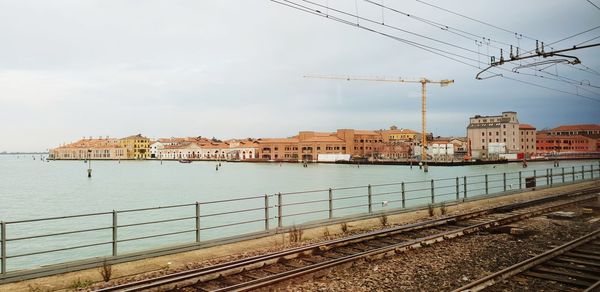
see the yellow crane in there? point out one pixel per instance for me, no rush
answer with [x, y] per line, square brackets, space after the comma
[423, 81]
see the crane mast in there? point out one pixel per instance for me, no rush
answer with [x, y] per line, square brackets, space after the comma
[423, 81]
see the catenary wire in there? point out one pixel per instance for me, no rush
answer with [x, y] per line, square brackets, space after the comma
[436, 51]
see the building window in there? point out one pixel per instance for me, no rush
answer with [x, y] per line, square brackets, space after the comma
[482, 133]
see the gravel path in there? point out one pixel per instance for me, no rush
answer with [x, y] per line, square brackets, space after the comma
[449, 265]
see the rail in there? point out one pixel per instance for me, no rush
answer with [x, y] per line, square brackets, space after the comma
[111, 234]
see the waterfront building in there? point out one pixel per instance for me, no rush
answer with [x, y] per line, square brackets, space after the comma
[307, 145]
[485, 130]
[527, 140]
[137, 146]
[89, 148]
[563, 144]
[243, 149]
[588, 130]
[575, 141]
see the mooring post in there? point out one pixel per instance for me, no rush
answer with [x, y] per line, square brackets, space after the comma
[457, 189]
[486, 184]
[504, 180]
[330, 203]
[464, 187]
[432, 193]
[520, 181]
[370, 194]
[197, 222]
[279, 211]
[114, 233]
[3, 247]
[403, 196]
[266, 212]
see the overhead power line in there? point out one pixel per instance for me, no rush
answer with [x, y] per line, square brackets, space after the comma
[593, 4]
[476, 20]
[443, 53]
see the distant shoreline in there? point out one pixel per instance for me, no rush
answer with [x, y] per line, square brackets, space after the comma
[23, 153]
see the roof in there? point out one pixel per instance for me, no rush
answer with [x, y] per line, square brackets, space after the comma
[526, 126]
[323, 139]
[365, 132]
[138, 136]
[402, 131]
[92, 144]
[544, 135]
[277, 140]
[579, 127]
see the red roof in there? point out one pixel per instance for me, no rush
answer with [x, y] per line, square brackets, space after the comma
[580, 127]
[526, 126]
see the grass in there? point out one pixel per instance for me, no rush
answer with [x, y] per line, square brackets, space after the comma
[80, 284]
[296, 234]
[383, 219]
[105, 271]
[443, 209]
[344, 227]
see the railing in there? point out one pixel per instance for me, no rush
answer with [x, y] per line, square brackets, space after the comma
[36, 242]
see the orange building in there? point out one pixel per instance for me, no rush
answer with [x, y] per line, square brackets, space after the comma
[307, 145]
[547, 143]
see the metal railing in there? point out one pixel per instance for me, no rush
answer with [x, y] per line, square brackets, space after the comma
[110, 234]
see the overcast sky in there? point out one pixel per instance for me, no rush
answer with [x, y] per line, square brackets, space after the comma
[228, 68]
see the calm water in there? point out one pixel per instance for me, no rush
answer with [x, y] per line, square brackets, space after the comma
[34, 189]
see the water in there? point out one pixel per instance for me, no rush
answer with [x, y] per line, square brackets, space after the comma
[32, 189]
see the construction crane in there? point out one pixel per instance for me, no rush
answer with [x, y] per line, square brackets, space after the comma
[423, 82]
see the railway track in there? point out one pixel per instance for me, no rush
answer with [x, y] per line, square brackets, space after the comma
[264, 270]
[575, 265]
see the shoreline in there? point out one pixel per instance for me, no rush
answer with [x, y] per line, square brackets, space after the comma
[382, 162]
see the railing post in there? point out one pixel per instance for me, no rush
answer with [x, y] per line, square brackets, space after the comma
[403, 196]
[563, 174]
[535, 177]
[486, 185]
[266, 212]
[464, 187]
[3, 247]
[582, 173]
[504, 180]
[592, 170]
[330, 203]
[551, 176]
[520, 180]
[197, 222]
[547, 177]
[432, 193]
[370, 194]
[114, 233]
[573, 173]
[279, 211]
[457, 189]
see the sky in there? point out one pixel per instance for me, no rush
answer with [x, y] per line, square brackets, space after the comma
[234, 68]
